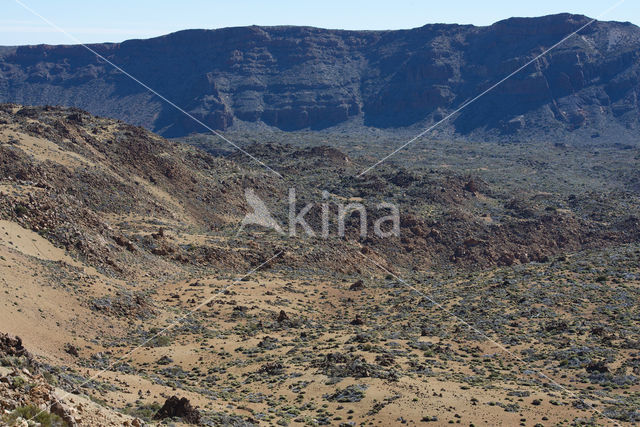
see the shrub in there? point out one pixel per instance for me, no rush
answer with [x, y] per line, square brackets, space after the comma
[20, 210]
[160, 341]
[19, 383]
[45, 419]
[145, 411]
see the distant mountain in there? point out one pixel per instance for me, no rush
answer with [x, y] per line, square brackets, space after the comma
[299, 77]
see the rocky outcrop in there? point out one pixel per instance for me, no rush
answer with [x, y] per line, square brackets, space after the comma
[178, 408]
[300, 77]
[26, 393]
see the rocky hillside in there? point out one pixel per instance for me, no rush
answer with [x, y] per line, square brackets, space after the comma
[121, 198]
[299, 77]
[123, 272]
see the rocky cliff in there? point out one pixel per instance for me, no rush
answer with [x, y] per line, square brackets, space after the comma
[299, 77]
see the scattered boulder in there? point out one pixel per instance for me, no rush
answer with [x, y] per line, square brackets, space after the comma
[471, 186]
[71, 349]
[282, 316]
[357, 286]
[272, 368]
[164, 360]
[12, 346]
[358, 321]
[598, 366]
[175, 407]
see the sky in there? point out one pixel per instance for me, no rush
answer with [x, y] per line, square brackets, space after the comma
[91, 21]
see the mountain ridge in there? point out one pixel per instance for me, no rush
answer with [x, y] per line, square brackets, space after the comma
[295, 78]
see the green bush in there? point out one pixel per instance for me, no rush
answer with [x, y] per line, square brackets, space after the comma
[160, 341]
[19, 383]
[145, 412]
[20, 210]
[45, 419]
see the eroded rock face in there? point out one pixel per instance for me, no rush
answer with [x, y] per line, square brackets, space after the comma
[299, 77]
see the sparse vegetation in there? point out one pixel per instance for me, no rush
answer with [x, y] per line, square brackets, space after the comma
[496, 282]
[45, 419]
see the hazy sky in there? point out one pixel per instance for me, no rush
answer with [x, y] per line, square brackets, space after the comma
[117, 20]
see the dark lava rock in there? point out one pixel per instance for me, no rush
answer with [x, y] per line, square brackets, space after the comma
[12, 346]
[272, 368]
[71, 349]
[164, 360]
[357, 286]
[178, 408]
[471, 186]
[599, 366]
[282, 316]
[357, 321]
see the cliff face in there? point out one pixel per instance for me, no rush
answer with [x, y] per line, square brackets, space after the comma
[298, 77]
